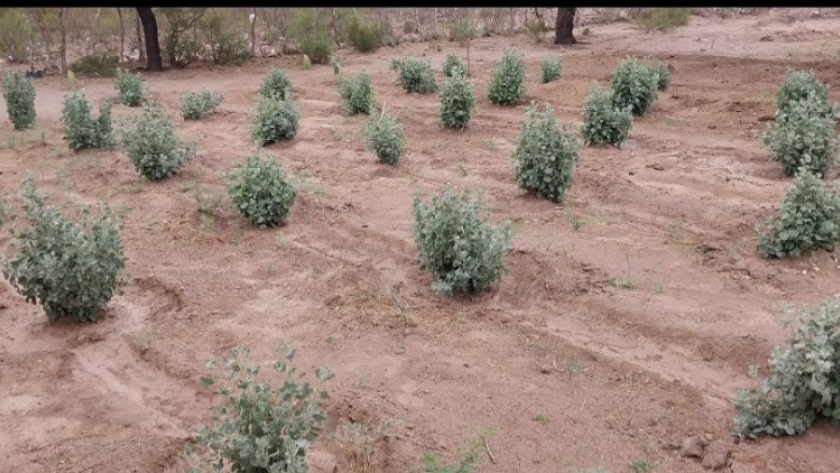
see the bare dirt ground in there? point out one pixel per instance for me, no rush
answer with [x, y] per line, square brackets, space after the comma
[627, 321]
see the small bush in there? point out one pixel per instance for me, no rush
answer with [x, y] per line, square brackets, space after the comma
[545, 155]
[662, 19]
[19, 94]
[129, 88]
[602, 122]
[70, 269]
[153, 146]
[259, 427]
[200, 105]
[804, 382]
[276, 120]
[81, 130]
[311, 32]
[95, 65]
[461, 31]
[226, 45]
[551, 68]
[14, 34]
[260, 190]
[634, 85]
[357, 93]
[809, 220]
[451, 63]
[364, 35]
[663, 72]
[385, 138]
[336, 66]
[803, 136]
[416, 76]
[457, 101]
[799, 86]
[276, 84]
[507, 82]
[457, 244]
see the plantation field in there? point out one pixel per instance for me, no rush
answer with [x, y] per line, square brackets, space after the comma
[627, 321]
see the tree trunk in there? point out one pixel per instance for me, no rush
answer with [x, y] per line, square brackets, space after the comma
[122, 35]
[63, 51]
[141, 49]
[564, 25]
[154, 62]
[254, 33]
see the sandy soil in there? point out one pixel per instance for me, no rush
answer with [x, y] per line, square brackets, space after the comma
[627, 321]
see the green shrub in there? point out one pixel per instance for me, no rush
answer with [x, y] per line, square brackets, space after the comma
[226, 45]
[634, 85]
[260, 190]
[276, 120]
[15, 33]
[545, 155]
[311, 32]
[129, 88]
[451, 63]
[809, 220]
[364, 35]
[200, 105]
[416, 76]
[2, 212]
[662, 19]
[602, 122]
[70, 269]
[803, 136]
[663, 72]
[457, 101]
[551, 68]
[507, 82]
[153, 146]
[19, 94]
[276, 84]
[95, 65]
[336, 66]
[385, 138]
[461, 31]
[357, 93]
[260, 428]
[81, 130]
[456, 243]
[804, 382]
[799, 86]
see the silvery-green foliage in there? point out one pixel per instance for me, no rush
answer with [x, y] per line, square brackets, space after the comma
[457, 100]
[261, 191]
[357, 93]
[803, 136]
[200, 105]
[70, 269]
[19, 94]
[634, 85]
[336, 66]
[129, 88]
[385, 138]
[602, 122]
[451, 63]
[81, 130]
[545, 155]
[416, 76]
[153, 146]
[507, 81]
[800, 85]
[663, 71]
[804, 382]
[276, 120]
[809, 220]
[457, 244]
[276, 84]
[260, 427]
[551, 67]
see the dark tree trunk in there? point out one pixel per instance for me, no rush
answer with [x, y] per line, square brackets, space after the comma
[154, 62]
[564, 25]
